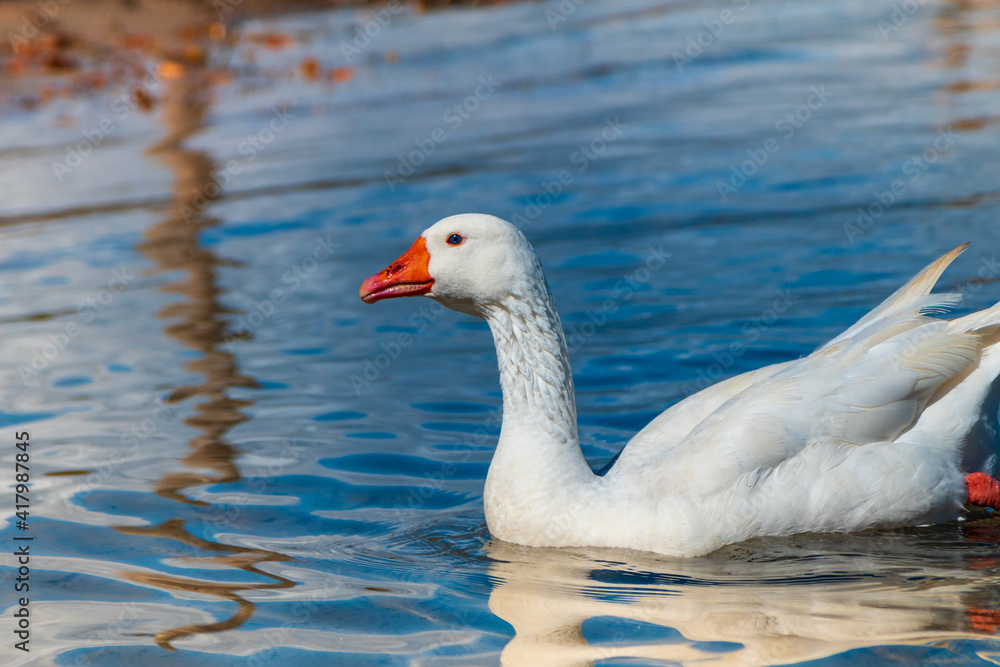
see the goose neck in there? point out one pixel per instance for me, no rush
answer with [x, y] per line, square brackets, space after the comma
[535, 374]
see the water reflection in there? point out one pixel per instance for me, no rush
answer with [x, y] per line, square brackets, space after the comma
[199, 322]
[966, 28]
[763, 603]
[238, 557]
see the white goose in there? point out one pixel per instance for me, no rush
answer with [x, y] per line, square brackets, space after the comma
[891, 423]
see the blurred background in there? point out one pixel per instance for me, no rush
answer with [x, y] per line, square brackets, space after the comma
[236, 462]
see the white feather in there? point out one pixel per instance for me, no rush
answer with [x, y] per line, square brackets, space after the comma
[876, 428]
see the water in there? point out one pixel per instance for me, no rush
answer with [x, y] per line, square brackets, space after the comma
[235, 461]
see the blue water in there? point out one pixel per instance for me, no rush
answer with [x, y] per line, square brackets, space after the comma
[234, 461]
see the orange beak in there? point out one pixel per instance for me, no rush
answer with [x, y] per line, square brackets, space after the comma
[407, 276]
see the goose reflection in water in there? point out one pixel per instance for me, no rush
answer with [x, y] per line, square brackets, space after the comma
[764, 602]
[174, 244]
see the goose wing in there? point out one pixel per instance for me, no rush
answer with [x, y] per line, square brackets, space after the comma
[868, 383]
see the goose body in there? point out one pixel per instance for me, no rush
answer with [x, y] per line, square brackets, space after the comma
[891, 423]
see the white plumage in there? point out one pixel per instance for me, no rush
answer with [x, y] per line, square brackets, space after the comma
[877, 428]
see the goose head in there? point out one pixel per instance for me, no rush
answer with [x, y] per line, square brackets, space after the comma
[470, 263]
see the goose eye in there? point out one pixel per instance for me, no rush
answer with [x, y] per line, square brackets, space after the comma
[455, 239]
